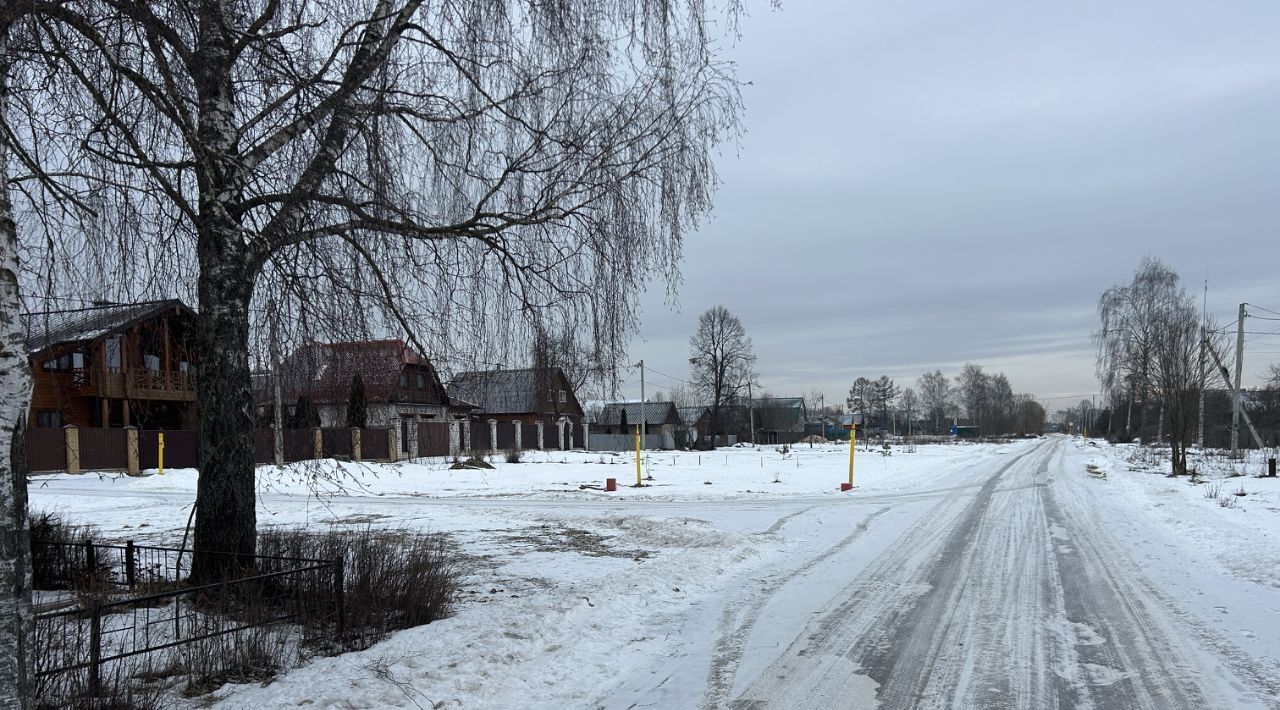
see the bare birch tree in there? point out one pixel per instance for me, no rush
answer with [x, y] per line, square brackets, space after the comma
[17, 619]
[1126, 340]
[935, 398]
[447, 167]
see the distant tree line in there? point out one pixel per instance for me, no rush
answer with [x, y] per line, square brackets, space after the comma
[981, 399]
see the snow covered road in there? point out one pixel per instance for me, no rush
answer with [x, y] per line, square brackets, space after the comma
[1013, 595]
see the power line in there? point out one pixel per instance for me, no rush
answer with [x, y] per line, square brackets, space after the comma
[1261, 308]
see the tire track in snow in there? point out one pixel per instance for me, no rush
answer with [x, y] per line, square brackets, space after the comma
[902, 628]
[729, 650]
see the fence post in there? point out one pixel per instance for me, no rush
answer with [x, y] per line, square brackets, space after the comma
[519, 440]
[95, 646]
[493, 434]
[455, 438]
[131, 448]
[317, 444]
[393, 450]
[90, 555]
[466, 434]
[339, 596]
[128, 563]
[414, 433]
[71, 433]
[355, 443]
[541, 428]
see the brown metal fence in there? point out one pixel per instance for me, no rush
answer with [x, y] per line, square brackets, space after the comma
[46, 449]
[529, 435]
[506, 436]
[102, 449]
[550, 435]
[433, 439]
[375, 444]
[298, 445]
[336, 442]
[480, 436]
[181, 449]
[264, 446]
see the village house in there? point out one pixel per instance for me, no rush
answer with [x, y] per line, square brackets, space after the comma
[529, 394]
[113, 365]
[662, 422]
[400, 385]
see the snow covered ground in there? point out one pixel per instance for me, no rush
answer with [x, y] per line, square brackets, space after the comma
[690, 590]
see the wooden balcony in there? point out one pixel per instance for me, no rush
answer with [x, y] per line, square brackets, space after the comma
[142, 383]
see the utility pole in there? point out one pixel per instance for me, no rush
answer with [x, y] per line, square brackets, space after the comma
[277, 419]
[1235, 412]
[644, 425]
[751, 413]
[1235, 390]
[1204, 335]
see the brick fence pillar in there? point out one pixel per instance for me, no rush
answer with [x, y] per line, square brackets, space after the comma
[493, 434]
[455, 438]
[317, 444]
[71, 433]
[466, 434]
[133, 467]
[355, 443]
[517, 425]
[541, 433]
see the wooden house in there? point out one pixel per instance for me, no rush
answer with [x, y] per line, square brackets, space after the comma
[661, 419]
[528, 395]
[113, 365]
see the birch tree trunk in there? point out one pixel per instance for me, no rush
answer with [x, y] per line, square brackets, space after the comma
[227, 519]
[16, 617]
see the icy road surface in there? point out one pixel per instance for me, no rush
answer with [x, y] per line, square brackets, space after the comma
[1009, 595]
[979, 576]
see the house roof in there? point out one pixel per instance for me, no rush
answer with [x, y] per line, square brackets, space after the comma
[654, 413]
[503, 391]
[779, 403]
[691, 415]
[324, 371]
[45, 329]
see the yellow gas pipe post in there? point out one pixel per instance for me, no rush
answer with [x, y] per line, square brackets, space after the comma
[853, 445]
[160, 453]
[639, 480]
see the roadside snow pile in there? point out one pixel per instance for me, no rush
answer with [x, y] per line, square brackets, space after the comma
[1239, 532]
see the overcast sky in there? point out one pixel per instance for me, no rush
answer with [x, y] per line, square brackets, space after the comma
[929, 183]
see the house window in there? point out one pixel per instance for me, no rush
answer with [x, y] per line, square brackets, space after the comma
[564, 397]
[404, 380]
[48, 418]
[112, 346]
[422, 381]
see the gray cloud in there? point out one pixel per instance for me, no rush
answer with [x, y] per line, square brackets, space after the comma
[932, 183]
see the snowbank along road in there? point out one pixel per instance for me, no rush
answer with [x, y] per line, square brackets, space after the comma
[1008, 594]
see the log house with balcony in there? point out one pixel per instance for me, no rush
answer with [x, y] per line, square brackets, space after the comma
[113, 365]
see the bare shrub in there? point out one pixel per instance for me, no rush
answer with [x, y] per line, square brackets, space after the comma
[513, 455]
[393, 579]
[53, 564]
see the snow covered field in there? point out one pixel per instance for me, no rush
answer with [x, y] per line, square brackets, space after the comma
[690, 591]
